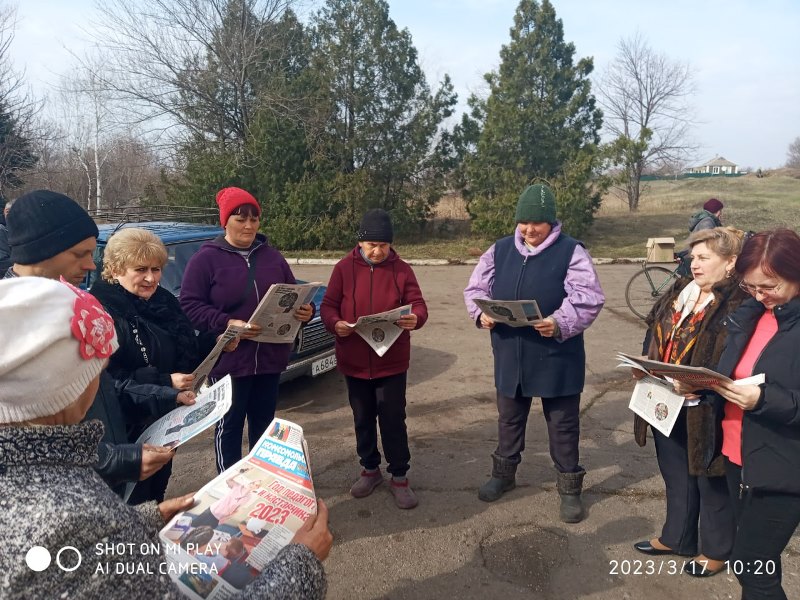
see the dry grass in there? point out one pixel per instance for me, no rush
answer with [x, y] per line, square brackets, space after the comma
[750, 203]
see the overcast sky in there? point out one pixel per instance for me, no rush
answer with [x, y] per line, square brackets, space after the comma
[746, 55]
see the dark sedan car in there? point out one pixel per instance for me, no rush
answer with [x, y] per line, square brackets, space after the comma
[313, 351]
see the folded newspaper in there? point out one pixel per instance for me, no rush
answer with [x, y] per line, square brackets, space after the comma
[516, 313]
[379, 330]
[243, 517]
[699, 377]
[275, 313]
[657, 403]
[204, 368]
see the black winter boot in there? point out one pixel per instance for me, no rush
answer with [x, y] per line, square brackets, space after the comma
[569, 487]
[502, 480]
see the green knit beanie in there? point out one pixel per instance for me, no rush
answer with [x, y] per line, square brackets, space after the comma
[536, 204]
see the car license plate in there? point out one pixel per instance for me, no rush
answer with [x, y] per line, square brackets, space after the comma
[323, 364]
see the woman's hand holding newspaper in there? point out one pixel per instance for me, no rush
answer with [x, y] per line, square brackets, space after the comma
[315, 533]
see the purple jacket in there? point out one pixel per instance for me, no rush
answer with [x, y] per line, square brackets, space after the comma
[584, 299]
[211, 291]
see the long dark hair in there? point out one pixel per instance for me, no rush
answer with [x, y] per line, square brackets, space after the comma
[776, 251]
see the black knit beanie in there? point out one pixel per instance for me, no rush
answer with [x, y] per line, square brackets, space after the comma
[376, 226]
[42, 224]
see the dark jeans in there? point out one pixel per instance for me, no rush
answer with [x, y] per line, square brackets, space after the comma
[382, 399]
[255, 398]
[766, 523]
[693, 499]
[562, 415]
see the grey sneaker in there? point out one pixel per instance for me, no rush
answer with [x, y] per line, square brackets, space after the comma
[364, 485]
[404, 496]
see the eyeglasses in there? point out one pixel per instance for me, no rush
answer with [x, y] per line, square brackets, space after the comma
[764, 290]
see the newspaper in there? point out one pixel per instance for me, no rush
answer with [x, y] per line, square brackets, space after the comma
[185, 422]
[243, 517]
[379, 330]
[516, 313]
[657, 403]
[699, 377]
[204, 368]
[275, 313]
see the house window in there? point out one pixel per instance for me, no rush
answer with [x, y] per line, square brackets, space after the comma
[715, 170]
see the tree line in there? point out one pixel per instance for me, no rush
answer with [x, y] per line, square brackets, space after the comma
[324, 117]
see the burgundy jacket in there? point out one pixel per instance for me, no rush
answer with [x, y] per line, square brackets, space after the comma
[357, 289]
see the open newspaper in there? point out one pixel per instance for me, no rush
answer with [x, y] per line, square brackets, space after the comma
[243, 517]
[185, 422]
[379, 330]
[516, 313]
[699, 377]
[275, 313]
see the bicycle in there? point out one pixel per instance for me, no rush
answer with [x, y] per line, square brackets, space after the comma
[647, 286]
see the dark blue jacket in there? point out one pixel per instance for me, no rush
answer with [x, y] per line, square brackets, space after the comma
[542, 367]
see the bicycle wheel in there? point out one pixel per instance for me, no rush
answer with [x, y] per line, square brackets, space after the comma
[645, 287]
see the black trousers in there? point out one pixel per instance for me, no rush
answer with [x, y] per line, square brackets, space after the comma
[152, 488]
[766, 522]
[382, 400]
[254, 398]
[693, 499]
[562, 415]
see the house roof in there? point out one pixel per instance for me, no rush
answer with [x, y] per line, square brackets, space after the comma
[719, 161]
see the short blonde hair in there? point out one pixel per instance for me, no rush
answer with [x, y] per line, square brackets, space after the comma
[129, 247]
[723, 241]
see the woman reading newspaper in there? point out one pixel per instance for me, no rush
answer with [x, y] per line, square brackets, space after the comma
[761, 440]
[546, 359]
[222, 286]
[369, 280]
[54, 342]
[686, 328]
[157, 343]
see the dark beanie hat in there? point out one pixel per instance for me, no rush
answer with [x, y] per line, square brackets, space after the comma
[713, 205]
[231, 198]
[376, 226]
[536, 204]
[42, 224]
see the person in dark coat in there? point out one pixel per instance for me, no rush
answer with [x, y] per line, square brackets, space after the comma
[538, 262]
[222, 285]
[54, 237]
[686, 328]
[158, 345]
[55, 342]
[372, 279]
[761, 428]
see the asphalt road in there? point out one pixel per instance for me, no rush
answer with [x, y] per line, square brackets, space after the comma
[455, 546]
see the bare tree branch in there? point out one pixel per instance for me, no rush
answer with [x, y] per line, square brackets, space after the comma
[645, 99]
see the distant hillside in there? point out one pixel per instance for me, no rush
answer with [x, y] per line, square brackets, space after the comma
[750, 203]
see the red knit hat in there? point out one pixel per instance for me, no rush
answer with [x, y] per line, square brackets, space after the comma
[713, 205]
[231, 198]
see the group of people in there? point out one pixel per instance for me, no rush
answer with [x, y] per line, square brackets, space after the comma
[82, 373]
[123, 353]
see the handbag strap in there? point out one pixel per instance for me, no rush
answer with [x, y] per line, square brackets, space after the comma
[251, 276]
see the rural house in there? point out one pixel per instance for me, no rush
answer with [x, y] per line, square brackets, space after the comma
[716, 166]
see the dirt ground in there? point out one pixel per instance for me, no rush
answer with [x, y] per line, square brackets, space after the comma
[454, 545]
